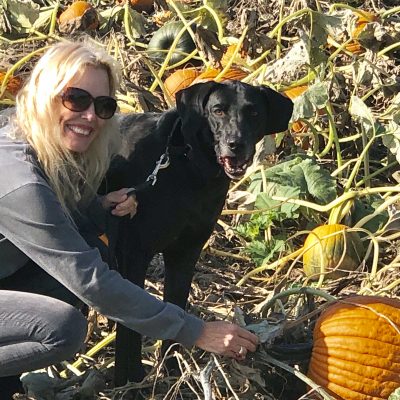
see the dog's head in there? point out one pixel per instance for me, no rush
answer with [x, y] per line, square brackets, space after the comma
[238, 115]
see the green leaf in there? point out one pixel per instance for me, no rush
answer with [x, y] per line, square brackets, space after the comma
[395, 395]
[110, 15]
[43, 21]
[22, 14]
[320, 185]
[284, 210]
[254, 228]
[391, 138]
[320, 24]
[136, 22]
[366, 206]
[299, 177]
[361, 113]
[314, 98]
[262, 252]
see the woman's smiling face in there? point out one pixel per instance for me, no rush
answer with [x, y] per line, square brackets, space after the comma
[79, 129]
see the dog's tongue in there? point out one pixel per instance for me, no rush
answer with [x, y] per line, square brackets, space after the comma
[232, 167]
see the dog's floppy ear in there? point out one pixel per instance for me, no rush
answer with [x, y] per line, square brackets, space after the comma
[191, 101]
[280, 110]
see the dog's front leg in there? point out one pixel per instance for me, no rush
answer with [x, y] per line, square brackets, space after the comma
[132, 263]
[128, 357]
[180, 260]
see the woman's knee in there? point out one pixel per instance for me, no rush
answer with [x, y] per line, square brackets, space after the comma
[70, 328]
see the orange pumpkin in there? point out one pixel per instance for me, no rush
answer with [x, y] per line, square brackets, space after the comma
[14, 83]
[235, 74]
[79, 10]
[356, 351]
[179, 80]
[138, 5]
[296, 91]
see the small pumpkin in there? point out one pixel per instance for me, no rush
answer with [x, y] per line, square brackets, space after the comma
[80, 15]
[138, 5]
[356, 349]
[332, 249]
[179, 80]
[162, 40]
[235, 74]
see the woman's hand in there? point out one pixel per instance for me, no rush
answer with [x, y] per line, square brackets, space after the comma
[227, 339]
[120, 202]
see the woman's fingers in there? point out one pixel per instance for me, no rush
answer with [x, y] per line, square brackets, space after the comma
[227, 339]
[120, 203]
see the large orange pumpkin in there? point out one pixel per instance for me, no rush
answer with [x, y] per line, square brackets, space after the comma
[356, 351]
[235, 74]
[332, 249]
[180, 79]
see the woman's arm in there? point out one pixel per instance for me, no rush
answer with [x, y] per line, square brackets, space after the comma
[32, 219]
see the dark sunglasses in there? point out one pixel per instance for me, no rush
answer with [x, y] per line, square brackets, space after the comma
[79, 100]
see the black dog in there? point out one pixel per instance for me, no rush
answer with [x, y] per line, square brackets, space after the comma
[209, 139]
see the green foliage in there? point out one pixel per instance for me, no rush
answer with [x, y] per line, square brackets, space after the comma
[391, 138]
[320, 24]
[17, 16]
[253, 231]
[259, 249]
[395, 395]
[314, 98]
[262, 252]
[366, 206]
[298, 178]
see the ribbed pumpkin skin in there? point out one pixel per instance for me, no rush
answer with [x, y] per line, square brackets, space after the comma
[327, 252]
[162, 40]
[235, 74]
[356, 352]
[179, 80]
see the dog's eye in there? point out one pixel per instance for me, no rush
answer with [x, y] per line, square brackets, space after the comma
[218, 112]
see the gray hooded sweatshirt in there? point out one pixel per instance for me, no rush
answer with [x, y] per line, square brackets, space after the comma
[34, 226]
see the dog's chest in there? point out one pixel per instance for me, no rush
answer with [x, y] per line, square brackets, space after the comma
[175, 206]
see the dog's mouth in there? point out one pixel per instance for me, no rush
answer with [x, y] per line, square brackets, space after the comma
[234, 168]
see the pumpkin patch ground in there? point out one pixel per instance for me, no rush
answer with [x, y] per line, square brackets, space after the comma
[311, 230]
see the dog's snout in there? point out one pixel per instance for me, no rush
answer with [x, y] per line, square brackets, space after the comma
[235, 145]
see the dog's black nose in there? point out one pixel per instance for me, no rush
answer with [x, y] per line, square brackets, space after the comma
[235, 145]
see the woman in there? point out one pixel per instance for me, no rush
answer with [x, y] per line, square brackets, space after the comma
[54, 153]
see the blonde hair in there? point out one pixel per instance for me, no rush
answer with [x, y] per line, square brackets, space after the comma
[74, 177]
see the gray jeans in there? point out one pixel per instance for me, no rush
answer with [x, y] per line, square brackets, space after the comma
[38, 324]
[37, 331]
